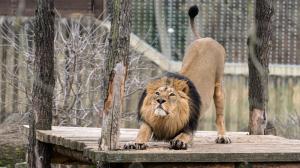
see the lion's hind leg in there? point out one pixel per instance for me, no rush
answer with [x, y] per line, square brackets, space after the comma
[144, 135]
[219, 104]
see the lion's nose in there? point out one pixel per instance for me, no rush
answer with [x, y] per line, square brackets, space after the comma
[161, 101]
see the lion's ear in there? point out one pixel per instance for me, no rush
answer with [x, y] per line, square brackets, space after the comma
[181, 85]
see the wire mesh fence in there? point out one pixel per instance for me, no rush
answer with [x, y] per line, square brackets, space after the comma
[165, 25]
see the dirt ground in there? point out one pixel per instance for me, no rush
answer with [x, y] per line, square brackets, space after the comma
[12, 142]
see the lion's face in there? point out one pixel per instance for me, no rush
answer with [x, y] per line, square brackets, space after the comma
[167, 96]
[164, 101]
[168, 105]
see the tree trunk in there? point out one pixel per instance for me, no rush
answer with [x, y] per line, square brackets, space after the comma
[39, 154]
[109, 9]
[16, 66]
[4, 28]
[113, 108]
[258, 62]
[118, 51]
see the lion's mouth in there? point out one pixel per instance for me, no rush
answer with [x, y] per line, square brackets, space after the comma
[160, 112]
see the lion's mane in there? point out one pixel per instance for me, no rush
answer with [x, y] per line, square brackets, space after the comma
[176, 126]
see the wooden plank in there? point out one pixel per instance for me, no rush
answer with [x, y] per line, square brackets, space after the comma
[98, 9]
[187, 156]
[206, 165]
[57, 136]
[64, 7]
[275, 69]
[245, 148]
[69, 153]
[5, 7]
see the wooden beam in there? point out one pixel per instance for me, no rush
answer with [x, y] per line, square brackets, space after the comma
[245, 148]
[142, 47]
[206, 165]
[64, 7]
[62, 155]
[202, 155]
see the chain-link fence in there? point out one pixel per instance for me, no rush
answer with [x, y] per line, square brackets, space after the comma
[165, 25]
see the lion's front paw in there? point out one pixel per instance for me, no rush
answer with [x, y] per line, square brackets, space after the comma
[178, 145]
[137, 146]
[223, 139]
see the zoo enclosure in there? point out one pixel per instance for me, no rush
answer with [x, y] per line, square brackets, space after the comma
[165, 23]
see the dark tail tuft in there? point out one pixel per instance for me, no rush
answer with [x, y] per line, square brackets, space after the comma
[193, 11]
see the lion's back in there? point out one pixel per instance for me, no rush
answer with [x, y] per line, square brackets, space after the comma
[203, 63]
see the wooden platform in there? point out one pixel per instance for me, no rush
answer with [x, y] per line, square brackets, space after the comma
[81, 144]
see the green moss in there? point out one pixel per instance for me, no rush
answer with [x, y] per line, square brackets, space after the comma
[10, 155]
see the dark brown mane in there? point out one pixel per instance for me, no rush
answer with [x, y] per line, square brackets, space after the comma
[194, 103]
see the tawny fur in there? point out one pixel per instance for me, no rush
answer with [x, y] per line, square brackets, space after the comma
[203, 63]
[175, 95]
[165, 128]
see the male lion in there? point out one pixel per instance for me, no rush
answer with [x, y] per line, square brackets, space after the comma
[169, 108]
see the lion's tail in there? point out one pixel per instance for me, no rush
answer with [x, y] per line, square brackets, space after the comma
[193, 12]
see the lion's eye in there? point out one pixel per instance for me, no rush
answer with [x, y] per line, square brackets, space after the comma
[157, 93]
[172, 94]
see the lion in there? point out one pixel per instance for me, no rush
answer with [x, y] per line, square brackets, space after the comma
[169, 109]
[170, 106]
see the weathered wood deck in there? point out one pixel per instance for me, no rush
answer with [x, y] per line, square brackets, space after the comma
[81, 144]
